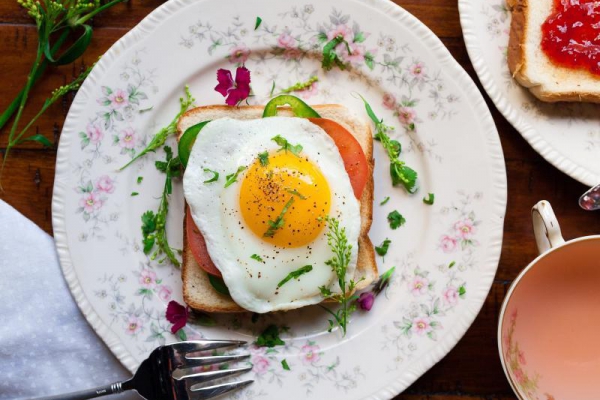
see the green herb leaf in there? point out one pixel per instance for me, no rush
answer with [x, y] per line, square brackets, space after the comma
[406, 176]
[285, 365]
[140, 179]
[383, 281]
[256, 257]
[148, 223]
[285, 145]
[429, 199]
[203, 319]
[269, 337]
[325, 291]
[295, 275]
[395, 219]
[257, 23]
[231, 178]
[263, 158]
[330, 57]
[214, 178]
[462, 291]
[383, 248]
[133, 194]
[452, 264]
[385, 201]
[296, 193]
[148, 227]
[182, 335]
[218, 284]
[278, 223]
[41, 139]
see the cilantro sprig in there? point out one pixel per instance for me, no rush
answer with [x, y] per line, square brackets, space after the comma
[342, 252]
[383, 248]
[295, 275]
[401, 173]
[287, 146]
[278, 223]
[263, 158]
[395, 219]
[154, 224]
[161, 136]
[269, 337]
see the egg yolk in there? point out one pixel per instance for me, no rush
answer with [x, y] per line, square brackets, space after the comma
[284, 201]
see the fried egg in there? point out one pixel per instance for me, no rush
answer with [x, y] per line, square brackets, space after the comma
[263, 218]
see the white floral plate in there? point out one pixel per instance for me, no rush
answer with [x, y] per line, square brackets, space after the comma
[445, 255]
[565, 134]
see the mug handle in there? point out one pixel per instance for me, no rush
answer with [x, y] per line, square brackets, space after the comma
[545, 227]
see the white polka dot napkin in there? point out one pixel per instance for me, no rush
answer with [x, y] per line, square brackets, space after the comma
[46, 345]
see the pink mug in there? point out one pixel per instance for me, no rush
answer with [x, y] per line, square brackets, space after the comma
[549, 326]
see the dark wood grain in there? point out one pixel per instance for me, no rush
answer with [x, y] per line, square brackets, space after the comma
[472, 369]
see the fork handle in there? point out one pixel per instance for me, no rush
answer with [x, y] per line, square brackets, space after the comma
[100, 391]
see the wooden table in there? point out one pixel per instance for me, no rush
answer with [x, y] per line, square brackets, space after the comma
[472, 370]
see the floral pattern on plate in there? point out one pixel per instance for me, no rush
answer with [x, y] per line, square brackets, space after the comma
[445, 254]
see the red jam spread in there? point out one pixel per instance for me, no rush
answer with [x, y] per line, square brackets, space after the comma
[571, 34]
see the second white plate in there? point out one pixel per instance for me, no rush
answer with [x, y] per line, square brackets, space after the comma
[565, 134]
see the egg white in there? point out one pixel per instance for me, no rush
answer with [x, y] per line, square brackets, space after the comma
[224, 145]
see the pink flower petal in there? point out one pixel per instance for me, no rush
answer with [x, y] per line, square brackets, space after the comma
[225, 82]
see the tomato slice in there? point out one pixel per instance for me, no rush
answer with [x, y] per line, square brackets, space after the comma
[355, 163]
[352, 153]
[198, 246]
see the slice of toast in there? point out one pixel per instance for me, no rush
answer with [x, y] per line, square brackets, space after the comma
[530, 66]
[198, 293]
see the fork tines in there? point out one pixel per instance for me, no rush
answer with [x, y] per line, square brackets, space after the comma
[187, 378]
[205, 344]
[209, 392]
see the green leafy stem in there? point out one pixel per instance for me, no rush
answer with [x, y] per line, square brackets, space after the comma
[401, 173]
[342, 251]
[161, 136]
[154, 225]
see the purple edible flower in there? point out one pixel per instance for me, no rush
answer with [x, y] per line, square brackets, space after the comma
[177, 314]
[366, 300]
[234, 90]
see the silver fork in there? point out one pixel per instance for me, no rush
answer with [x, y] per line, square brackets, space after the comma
[168, 374]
